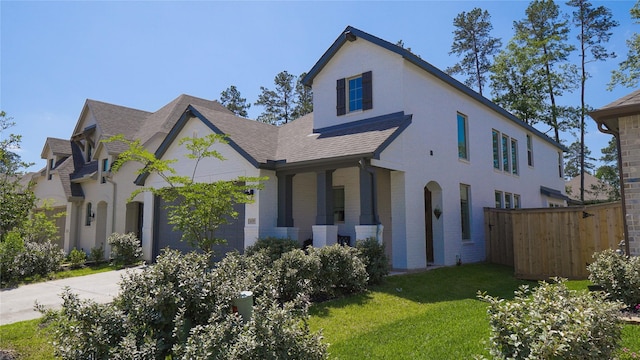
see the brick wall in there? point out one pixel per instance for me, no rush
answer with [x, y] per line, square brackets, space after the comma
[630, 150]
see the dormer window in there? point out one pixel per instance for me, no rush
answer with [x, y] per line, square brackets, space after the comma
[52, 164]
[354, 93]
[89, 151]
[104, 170]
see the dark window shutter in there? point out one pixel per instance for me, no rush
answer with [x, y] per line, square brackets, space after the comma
[367, 91]
[341, 95]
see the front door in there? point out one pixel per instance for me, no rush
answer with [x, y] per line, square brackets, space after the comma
[428, 221]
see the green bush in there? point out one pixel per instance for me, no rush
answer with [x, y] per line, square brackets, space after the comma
[39, 259]
[375, 260]
[97, 254]
[125, 248]
[341, 272]
[77, 258]
[10, 250]
[182, 309]
[274, 247]
[294, 274]
[553, 322]
[618, 275]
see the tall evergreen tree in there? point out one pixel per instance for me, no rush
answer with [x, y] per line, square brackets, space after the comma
[628, 74]
[473, 41]
[278, 103]
[572, 160]
[513, 76]
[594, 26]
[304, 99]
[232, 100]
[545, 31]
[610, 172]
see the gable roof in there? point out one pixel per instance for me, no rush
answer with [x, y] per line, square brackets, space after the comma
[625, 106]
[352, 34]
[59, 147]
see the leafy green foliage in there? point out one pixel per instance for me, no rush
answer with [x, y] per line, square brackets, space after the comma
[609, 173]
[341, 272]
[628, 73]
[371, 252]
[182, 308]
[553, 322]
[97, 254]
[10, 250]
[274, 246]
[196, 209]
[294, 274]
[77, 258]
[125, 248]
[472, 40]
[618, 275]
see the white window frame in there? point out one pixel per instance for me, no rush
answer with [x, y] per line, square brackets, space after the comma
[349, 99]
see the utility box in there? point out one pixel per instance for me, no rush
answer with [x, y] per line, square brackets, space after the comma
[243, 305]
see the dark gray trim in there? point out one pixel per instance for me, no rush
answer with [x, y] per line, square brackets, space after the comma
[407, 55]
[321, 164]
[324, 198]
[341, 97]
[553, 193]
[285, 200]
[352, 124]
[190, 112]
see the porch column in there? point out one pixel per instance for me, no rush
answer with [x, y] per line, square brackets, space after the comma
[324, 214]
[368, 213]
[285, 200]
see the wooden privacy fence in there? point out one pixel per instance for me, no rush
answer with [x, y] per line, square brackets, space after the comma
[548, 242]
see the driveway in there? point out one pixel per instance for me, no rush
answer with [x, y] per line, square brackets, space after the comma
[17, 304]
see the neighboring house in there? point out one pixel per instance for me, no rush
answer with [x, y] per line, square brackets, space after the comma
[621, 118]
[395, 149]
[595, 190]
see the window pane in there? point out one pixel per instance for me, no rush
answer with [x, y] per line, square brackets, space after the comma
[496, 149]
[498, 199]
[516, 201]
[514, 156]
[462, 137]
[507, 201]
[465, 212]
[355, 94]
[529, 150]
[505, 153]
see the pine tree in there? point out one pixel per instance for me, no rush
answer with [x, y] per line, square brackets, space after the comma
[232, 100]
[628, 74]
[278, 103]
[304, 98]
[472, 41]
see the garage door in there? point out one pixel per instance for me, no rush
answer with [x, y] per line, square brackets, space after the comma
[165, 236]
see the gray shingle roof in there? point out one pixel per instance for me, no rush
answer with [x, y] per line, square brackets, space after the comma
[115, 119]
[163, 120]
[59, 147]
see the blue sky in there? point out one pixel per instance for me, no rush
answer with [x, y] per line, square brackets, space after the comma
[143, 54]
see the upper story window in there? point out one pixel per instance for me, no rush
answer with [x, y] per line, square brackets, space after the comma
[495, 139]
[354, 94]
[505, 153]
[104, 170]
[560, 173]
[529, 150]
[463, 143]
[89, 152]
[514, 156]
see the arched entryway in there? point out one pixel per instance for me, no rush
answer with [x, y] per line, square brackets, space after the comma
[433, 212]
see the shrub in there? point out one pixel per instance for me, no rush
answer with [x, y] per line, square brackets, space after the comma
[77, 258]
[274, 247]
[97, 254]
[618, 275]
[553, 322]
[39, 259]
[341, 272]
[375, 260]
[125, 248]
[181, 308]
[294, 273]
[10, 249]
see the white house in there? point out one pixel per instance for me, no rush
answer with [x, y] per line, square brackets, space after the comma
[395, 149]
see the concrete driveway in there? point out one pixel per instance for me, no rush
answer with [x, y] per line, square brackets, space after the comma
[17, 304]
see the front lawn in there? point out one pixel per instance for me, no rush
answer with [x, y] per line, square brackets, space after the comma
[428, 315]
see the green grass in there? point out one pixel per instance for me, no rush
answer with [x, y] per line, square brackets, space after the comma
[68, 273]
[429, 315]
[27, 339]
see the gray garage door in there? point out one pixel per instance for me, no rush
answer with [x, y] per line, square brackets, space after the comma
[165, 236]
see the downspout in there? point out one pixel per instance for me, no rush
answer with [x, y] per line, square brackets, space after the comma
[605, 129]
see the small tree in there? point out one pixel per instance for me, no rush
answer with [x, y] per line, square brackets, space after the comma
[196, 209]
[232, 100]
